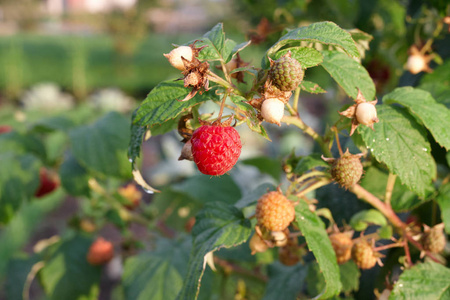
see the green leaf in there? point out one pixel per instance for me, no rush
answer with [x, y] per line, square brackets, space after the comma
[201, 187]
[443, 199]
[218, 225]
[215, 41]
[307, 57]
[362, 40]
[318, 242]
[22, 144]
[164, 103]
[440, 92]
[74, 177]
[440, 74]
[425, 281]
[401, 143]
[311, 87]
[285, 282]
[68, 265]
[157, 275]
[435, 116]
[265, 165]
[26, 220]
[349, 74]
[19, 180]
[236, 49]
[364, 218]
[349, 276]
[103, 145]
[323, 32]
[310, 162]
[251, 198]
[18, 270]
[136, 139]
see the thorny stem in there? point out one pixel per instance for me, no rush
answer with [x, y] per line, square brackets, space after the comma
[389, 188]
[387, 211]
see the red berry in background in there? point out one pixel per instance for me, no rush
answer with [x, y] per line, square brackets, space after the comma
[100, 252]
[5, 129]
[49, 181]
[215, 148]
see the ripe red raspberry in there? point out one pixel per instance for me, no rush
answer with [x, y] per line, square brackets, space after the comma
[215, 149]
[100, 252]
[274, 211]
[49, 181]
[342, 245]
[363, 255]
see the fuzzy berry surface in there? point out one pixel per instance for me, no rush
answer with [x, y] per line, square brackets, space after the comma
[286, 73]
[347, 170]
[363, 255]
[274, 211]
[434, 240]
[342, 245]
[215, 149]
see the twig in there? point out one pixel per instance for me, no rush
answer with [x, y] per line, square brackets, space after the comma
[387, 211]
[30, 277]
[389, 188]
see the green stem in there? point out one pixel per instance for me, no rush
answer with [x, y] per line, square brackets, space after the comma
[389, 188]
[313, 187]
[296, 98]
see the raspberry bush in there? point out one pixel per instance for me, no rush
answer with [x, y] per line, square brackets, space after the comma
[367, 204]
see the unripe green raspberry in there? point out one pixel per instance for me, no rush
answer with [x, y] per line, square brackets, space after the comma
[286, 73]
[347, 170]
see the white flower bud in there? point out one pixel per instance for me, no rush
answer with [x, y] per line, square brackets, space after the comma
[175, 55]
[272, 110]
